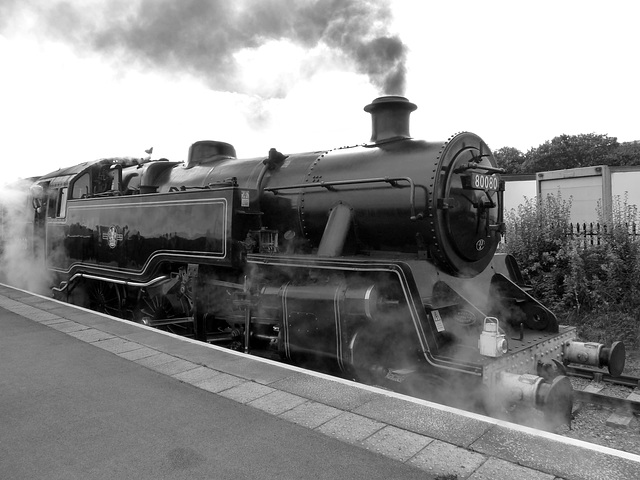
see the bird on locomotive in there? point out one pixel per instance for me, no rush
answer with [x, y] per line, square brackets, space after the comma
[375, 261]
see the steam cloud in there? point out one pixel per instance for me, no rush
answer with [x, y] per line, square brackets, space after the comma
[21, 264]
[201, 37]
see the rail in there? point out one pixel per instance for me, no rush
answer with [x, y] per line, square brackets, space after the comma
[601, 376]
[623, 404]
[393, 181]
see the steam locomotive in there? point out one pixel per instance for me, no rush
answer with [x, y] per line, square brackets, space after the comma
[375, 261]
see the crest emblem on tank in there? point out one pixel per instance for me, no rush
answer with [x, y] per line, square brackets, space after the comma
[480, 244]
[112, 236]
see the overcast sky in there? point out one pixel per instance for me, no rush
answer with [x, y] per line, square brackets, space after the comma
[86, 79]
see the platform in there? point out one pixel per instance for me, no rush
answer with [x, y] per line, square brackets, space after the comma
[87, 396]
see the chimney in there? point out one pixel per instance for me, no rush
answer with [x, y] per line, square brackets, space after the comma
[390, 118]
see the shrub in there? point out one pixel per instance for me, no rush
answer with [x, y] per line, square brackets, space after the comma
[537, 237]
[596, 287]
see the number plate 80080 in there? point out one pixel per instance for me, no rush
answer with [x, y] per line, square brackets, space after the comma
[481, 181]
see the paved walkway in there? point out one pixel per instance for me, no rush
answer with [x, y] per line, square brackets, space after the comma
[86, 396]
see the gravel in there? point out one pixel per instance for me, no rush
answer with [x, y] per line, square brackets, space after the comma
[590, 421]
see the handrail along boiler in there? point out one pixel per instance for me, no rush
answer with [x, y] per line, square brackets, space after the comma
[376, 261]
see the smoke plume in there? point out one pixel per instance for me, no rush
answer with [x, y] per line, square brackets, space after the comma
[202, 37]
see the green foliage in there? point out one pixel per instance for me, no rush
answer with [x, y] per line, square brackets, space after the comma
[627, 154]
[606, 276]
[509, 158]
[569, 151]
[594, 286]
[537, 238]
[607, 327]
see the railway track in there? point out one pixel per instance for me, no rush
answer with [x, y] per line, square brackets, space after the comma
[601, 376]
[605, 409]
[630, 405]
[615, 398]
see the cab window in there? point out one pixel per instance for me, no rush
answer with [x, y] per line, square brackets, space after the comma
[57, 207]
[81, 186]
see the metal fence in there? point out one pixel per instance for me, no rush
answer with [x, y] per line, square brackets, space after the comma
[583, 234]
[595, 234]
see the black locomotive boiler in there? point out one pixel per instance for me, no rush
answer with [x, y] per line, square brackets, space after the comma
[376, 261]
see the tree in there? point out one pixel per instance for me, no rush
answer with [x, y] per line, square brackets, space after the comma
[628, 153]
[509, 158]
[571, 151]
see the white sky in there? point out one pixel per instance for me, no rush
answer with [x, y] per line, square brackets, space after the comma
[517, 73]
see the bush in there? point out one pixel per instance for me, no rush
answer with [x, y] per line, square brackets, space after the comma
[608, 327]
[537, 237]
[595, 287]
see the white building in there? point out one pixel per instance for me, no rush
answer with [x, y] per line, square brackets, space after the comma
[591, 188]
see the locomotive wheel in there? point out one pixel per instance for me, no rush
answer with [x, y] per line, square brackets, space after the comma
[375, 354]
[104, 298]
[154, 308]
[366, 362]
